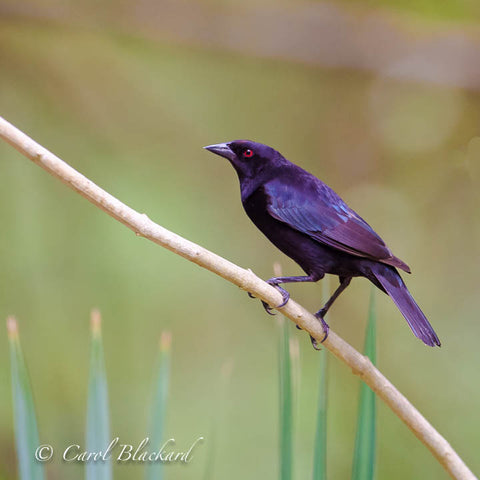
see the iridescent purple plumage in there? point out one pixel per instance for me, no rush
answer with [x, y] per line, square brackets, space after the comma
[311, 224]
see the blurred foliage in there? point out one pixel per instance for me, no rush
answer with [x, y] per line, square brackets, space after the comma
[464, 10]
[132, 115]
[25, 420]
[320, 446]
[285, 395]
[364, 458]
[158, 414]
[97, 431]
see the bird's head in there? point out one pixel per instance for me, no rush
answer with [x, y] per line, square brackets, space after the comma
[248, 158]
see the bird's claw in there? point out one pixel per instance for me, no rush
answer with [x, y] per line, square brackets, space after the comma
[315, 344]
[268, 308]
[285, 298]
[285, 294]
[326, 329]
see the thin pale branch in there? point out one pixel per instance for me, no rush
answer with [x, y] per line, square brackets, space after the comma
[249, 282]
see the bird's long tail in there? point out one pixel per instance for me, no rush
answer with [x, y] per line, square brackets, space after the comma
[393, 284]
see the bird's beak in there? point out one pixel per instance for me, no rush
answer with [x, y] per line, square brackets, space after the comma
[221, 149]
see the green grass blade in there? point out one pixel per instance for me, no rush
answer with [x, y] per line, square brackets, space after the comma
[320, 444]
[285, 393]
[98, 418]
[218, 419]
[26, 430]
[296, 375]
[154, 471]
[365, 442]
[286, 402]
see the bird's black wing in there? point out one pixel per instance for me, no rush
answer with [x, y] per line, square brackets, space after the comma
[311, 207]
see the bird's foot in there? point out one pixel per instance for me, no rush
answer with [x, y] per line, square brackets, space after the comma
[285, 294]
[326, 329]
[319, 315]
[285, 297]
[315, 344]
[266, 306]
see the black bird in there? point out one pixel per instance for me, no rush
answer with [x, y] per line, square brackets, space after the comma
[310, 223]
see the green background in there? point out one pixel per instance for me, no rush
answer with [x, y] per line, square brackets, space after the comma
[132, 113]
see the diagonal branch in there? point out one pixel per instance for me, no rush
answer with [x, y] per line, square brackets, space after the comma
[248, 281]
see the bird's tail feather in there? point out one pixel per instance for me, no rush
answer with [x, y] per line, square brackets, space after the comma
[393, 284]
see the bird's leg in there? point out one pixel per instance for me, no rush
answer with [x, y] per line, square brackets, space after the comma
[344, 283]
[276, 281]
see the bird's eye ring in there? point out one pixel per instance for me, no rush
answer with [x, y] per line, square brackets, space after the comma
[248, 153]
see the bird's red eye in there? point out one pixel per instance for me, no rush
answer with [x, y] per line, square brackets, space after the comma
[248, 154]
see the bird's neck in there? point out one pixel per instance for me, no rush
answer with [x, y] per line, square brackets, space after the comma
[247, 188]
[250, 184]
